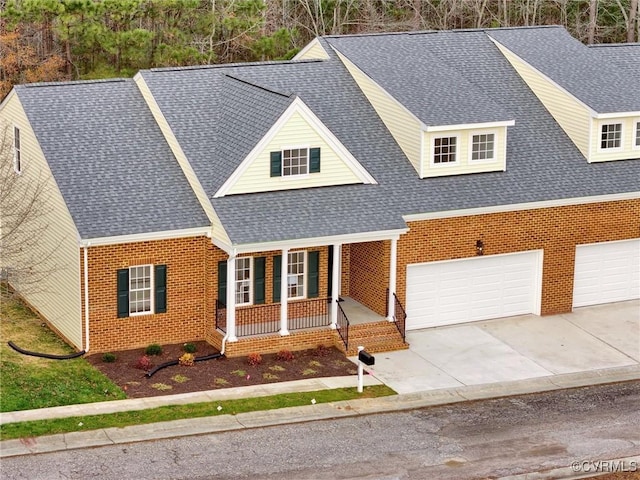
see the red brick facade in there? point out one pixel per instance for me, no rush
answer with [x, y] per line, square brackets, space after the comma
[192, 282]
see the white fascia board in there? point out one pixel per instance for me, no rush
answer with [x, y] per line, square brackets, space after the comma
[344, 58]
[603, 116]
[564, 202]
[470, 126]
[556, 85]
[146, 237]
[297, 106]
[308, 47]
[321, 241]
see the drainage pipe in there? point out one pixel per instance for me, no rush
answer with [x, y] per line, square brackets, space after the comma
[151, 372]
[45, 355]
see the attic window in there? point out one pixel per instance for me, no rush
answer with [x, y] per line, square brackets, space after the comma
[295, 161]
[444, 150]
[483, 147]
[611, 136]
[637, 142]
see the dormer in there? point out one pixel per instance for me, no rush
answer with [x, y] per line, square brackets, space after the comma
[298, 151]
[574, 83]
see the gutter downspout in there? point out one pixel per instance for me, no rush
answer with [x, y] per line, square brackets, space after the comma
[86, 298]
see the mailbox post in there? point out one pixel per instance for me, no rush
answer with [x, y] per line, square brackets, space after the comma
[364, 358]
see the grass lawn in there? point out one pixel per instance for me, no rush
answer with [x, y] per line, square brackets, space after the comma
[31, 382]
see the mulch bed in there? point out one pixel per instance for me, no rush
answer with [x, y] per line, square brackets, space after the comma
[218, 373]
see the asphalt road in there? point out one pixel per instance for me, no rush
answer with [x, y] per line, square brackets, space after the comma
[491, 438]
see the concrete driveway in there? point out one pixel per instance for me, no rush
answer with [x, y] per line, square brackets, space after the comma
[514, 348]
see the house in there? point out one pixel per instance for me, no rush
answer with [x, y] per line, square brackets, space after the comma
[454, 175]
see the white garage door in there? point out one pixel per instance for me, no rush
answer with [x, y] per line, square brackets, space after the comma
[457, 291]
[607, 272]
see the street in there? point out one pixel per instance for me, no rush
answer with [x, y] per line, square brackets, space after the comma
[490, 438]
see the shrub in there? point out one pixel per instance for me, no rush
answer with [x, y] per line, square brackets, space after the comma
[144, 363]
[189, 347]
[153, 349]
[108, 357]
[285, 355]
[254, 359]
[187, 360]
[322, 351]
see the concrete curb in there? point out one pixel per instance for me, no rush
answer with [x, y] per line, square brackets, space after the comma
[223, 423]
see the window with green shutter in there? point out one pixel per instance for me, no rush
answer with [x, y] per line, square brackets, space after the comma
[259, 280]
[276, 164]
[161, 289]
[313, 274]
[123, 293]
[314, 160]
[277, 277]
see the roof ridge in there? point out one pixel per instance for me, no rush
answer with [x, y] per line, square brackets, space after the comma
[72, 82]
[261, 87]
[232, 65]
[629, 44]
[430, 32]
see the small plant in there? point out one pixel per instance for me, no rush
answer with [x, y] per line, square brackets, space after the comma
[322, 351]
[180, 379]
[144, 363]
[277, 368]
[153, 349]
[220, 381]
[239, 373]
[309, 371]
[254, 359]
[269, 376]
[161, 386]
[189, 348]
[108, 357]
[285, 355]
[187, 360]
[315, 363]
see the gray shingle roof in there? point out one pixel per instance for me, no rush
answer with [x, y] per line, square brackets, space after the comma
[585, 72]
[113, 167]
[217, 118]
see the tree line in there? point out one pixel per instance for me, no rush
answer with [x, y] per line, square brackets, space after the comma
[45, 40]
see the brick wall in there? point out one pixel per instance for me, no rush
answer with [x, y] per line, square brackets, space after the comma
[369, 274]
[301, 340]
[555, 230]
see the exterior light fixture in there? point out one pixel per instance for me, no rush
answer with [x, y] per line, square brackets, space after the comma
[479, 247]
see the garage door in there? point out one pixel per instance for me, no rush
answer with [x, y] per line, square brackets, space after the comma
[457, 291]
[607, 272]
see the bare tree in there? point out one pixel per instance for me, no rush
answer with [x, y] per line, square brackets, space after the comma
[24, 261]
[593, 21]
[634, 7]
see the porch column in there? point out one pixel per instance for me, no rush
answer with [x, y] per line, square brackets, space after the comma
[284, 292]
[335, 283]
[231, 298]
[393, 262]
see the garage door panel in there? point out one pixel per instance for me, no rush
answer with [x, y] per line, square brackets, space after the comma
[606, 272]
[445, 293]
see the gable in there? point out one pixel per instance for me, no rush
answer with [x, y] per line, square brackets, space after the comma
[313, 51]
[297, 128]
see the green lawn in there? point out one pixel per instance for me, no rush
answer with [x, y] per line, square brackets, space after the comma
[29, 382]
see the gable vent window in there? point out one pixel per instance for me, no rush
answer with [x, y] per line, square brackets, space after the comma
[482, 147]
[295, 161]
[17, 151]
[444, 150]
[611, 136]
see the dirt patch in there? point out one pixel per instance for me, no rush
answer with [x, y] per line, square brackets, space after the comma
[219, 373]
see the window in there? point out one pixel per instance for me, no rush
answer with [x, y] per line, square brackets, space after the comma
[140, 289]
[295, 162]
[611, 136]
[243, 281]
[295, 275]
[637, 142]
[444, 150]
[17, 153]
[482, 146]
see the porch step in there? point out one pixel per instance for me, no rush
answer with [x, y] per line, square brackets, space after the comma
[375, 338]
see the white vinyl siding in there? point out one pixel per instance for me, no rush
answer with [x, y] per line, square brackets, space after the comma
[572, 116]
[296, 131]
[478, 288]
[606, 272]
[313, 51]
[57, 295]
[404, 127]
[464, 149]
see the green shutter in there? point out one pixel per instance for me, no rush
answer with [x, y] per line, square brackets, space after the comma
[313, 264]
[160, 279]
[258, 280]
[123, 293]
[314, 160]
[276, 164]
[222, 282]
[277, 277]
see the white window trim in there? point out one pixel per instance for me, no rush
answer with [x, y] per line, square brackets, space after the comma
[613, 149]
[636, 132]
[152, 291]
[298, 176]
[235, 283]
[17, 150]
[432, 155]
[304, 275]
[495, 147]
